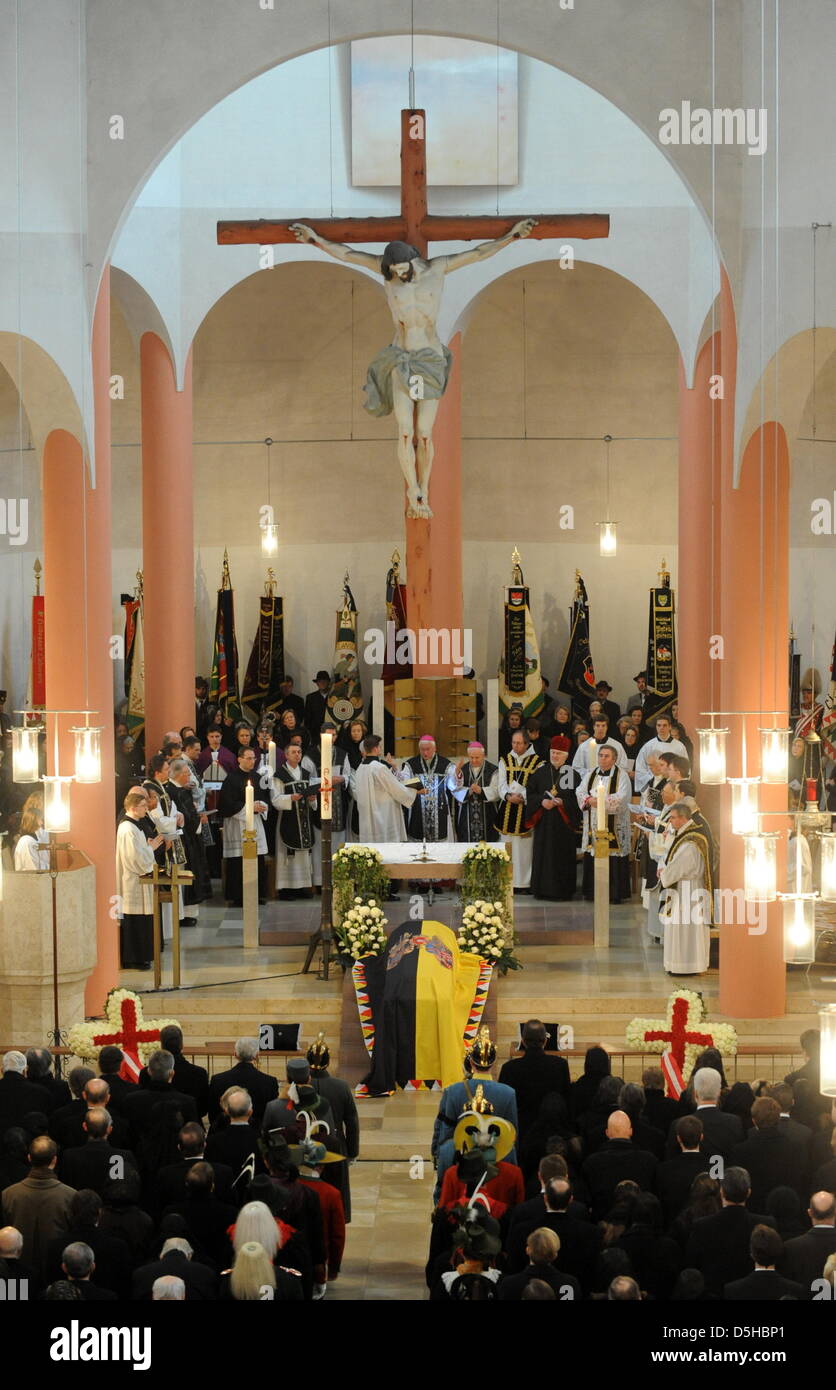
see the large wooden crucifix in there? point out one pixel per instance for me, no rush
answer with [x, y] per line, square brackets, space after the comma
[409, 377]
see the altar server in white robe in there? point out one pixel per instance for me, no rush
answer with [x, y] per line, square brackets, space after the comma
[514, 771]
[296, 804]
[135, 859]
[662, 743]
[686, 899]
[619, 790]
[586, 756]
[379, 796]
[658, 840]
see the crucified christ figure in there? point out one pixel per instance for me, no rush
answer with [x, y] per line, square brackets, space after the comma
[410, 376]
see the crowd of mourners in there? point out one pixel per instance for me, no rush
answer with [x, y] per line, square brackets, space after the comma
[598, 1189]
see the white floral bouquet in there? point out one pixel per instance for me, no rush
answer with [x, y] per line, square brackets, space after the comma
[122, 1006]
[363, 929]
[484, 933]
[355, 852]
[483, 852]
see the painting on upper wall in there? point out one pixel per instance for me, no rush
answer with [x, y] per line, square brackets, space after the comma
[469, 92]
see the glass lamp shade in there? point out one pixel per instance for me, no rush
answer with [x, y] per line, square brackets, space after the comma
[827, 1024]
[88, 754]
[607, 540]
[774, 755]
[25, 753]
[270, 539]
[760, 867]
[713, 756]
[828, 867]
[799, 927]
[744, 805]
[57, 803]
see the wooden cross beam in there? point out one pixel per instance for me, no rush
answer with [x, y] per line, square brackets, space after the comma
[416, 225]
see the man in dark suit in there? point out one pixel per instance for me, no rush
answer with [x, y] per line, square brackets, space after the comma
[111, 1253]
[824, 1178]
[645, 1136]
[580, 1240]
[176, 1258]
[805, 1256]
[610, 708]
[617, 1159]
[764, 1284]
[316, 704]
[96, 1095]
[39, 1072]
[290, 700]
[542, 1250]
[260, 1086]
[768, 1156]
[718, 1246]
[721, 1132]
[189, 1080]
[805, 1082]
[675, 1176]
[18, 1095]
[67, 1118]
[207, 1219]
[171, 1180]
[79, 1265]
[138, 1107]
[659, 1110]
[236, 1147]
[93, 1164]
[551, 1165]
[534, 1074]
[800, 1136]
[110, 1061]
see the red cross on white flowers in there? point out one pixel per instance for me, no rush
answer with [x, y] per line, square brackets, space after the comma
[123, 1011]
[678, 1035]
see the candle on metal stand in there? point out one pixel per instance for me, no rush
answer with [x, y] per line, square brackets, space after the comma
[326, 755]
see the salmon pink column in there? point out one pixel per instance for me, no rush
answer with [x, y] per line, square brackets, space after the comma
[754, 627]
[78, 630]
[167, 542]
[434, 548]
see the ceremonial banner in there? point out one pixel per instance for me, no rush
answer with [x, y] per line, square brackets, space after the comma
[135, 718]
[345, 700]
[395, 624]
[223, 682]
[519, 666]
[828, 719]
[577, 676]
[661, 651]
[794, 679]
[266, 665]
[130, 603]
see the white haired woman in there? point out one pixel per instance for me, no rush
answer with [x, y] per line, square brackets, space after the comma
[253, 1277]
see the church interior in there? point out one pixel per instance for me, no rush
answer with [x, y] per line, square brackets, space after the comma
[640, 401]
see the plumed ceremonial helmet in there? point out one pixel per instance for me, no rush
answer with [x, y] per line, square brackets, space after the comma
[482, 1054]
[319, 1058]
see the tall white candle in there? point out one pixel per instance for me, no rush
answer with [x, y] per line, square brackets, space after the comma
[271, 756]
[326, 755]
[248, 807]
[601, 807]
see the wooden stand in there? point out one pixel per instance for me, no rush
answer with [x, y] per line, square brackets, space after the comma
[601, 921]
[249, 885]
[167, 890]
[443, 706]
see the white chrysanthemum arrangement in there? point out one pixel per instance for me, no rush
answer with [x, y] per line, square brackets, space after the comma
[363, 929]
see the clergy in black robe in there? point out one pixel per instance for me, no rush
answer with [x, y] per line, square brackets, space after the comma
[231, 809]
[474, 787]
[350, 743]
[553, 811]
[429, 816]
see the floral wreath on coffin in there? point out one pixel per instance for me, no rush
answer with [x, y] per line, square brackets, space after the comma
[681, 1036]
